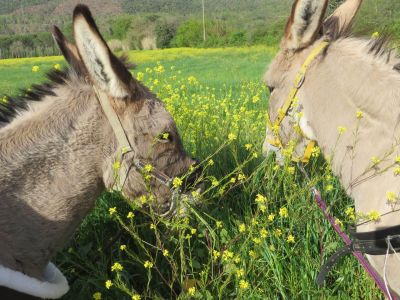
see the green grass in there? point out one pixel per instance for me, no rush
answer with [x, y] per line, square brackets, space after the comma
[226, 97]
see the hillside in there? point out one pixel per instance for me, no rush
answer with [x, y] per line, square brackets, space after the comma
[144, 24]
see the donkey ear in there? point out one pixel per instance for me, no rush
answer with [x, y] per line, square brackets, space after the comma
[304, 23]
[341, 21]
[69, 51]
[106, 70]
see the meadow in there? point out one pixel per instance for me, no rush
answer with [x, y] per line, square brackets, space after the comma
[257, 233]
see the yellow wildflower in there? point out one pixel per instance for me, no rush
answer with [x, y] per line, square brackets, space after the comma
[283, 212]
[112, 210]
[136, 297]
[257, 240]
[153, 226]
[148, 168]
[216, 254]
[391, 197]
[271, 217]
[166, 253]
[277, 232]
[193, 231]
[122, 247]
[291, 170]
[252, 254]
[35, 69]
[57, 67]
[218, 224]
[375, 35]
[140, 76]
[117, 267]
[97, 296]
[177, 182]
[240, 273]
[116, 165]
[243, 284]
[108, 284]
[397, 159]
[329, 188]
[341, 129]
[261, 199]
[4, 100]
[290, 239]
[359, 114]
[264, 233]
[227, 255]
[248, 146]
[374, 215]
[242, 227]
[232, 137]
[148, 264]
[210, 162]
[396, 171]
[130, 215]
[192, 291]
[375, 160]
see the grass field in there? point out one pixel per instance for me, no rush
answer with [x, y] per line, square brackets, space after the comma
[257, 234]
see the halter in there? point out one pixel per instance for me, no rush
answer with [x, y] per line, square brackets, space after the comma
[289, 104]
[125, 146]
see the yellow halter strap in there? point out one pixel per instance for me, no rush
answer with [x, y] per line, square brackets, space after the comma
[283, 111]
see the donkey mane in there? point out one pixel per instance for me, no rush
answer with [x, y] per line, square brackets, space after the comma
[37, 92]
[379, 47]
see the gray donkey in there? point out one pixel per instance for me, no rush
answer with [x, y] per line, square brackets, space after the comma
[58, 151]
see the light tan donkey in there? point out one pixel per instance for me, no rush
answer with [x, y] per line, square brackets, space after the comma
[346, 97]
[58, 145]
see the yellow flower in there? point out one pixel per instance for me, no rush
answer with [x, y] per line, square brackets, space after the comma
[391, 197]
[227, 255]
[177, 182]
[148, 168]
[277, 232]
[243, 284]
[256, 98]
[35, 69]
[329, 188]
[338, 222]
[112, 210]
[397, 159]
[216, 254]
[117, 267]
[153, 226]
[140, 76]
[108, 284]
[248, 146]
[396, 171]
[261, 199]
[291, 170]
[316, 151]
[375, 35]
[97, 296]
[242, 227]
[130, 215]
[166, 253]
[263, 208]
[116, 165]
[271, 217]
[136, 297]
[192, 291]
[240, 273]
[192, 80]
[236, 259]
[148, 264]
[210, 162]
[122, 247]
[218, 224]
[374, 215]
[283, 212]
[359, 114]
[241, 177]
[257, 241]
[252, 254]
[350, 213]
[264, 233]
[290, 239]
[4, 100]
[193, 231]
[57, 66]
[375, 160]
[341, 129]
[232, 180]
[232, 137]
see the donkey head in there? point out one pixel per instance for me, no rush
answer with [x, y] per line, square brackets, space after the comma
[305, 30]
[145, 123]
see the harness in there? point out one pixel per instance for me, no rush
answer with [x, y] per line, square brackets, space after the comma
[126, 148]
[289, 105]
[380, 242]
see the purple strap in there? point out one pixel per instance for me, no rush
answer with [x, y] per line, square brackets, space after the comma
[360, 257]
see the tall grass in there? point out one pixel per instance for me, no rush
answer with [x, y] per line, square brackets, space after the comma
[257, 233]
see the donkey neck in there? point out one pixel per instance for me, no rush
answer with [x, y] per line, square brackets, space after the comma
[50, 162]
[349, 79]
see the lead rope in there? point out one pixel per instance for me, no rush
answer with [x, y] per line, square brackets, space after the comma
[359, 256]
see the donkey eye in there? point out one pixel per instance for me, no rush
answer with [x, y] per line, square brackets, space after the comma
[270, 88]
[164, 137]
